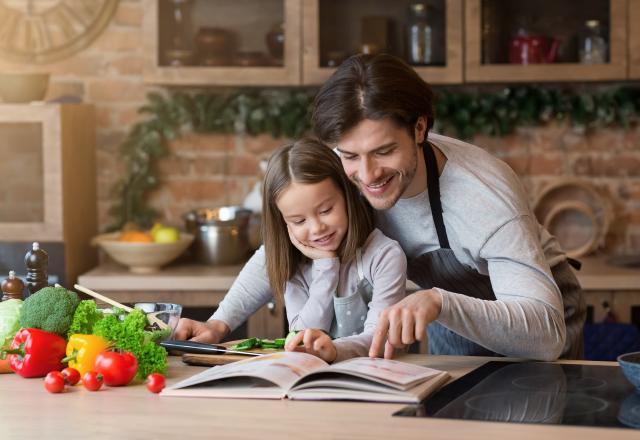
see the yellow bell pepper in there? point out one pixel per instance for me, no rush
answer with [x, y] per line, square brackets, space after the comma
[82, 351]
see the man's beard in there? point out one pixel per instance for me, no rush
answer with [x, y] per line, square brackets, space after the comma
[392, 195]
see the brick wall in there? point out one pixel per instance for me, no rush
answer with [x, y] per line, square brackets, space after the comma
[221, 169]
[607, 158]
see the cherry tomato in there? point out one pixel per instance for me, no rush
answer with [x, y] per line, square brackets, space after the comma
[71, 375]
[117, 368]
[54, 382]
[92, 380]
[155, 382]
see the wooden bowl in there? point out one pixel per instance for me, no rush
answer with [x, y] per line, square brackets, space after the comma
[142, 257]
[23, 87]
[575, 226]
[575, 213]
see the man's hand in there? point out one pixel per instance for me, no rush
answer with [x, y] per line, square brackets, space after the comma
[316, 342]
[405, 322]
[210, 332]
[308, 251]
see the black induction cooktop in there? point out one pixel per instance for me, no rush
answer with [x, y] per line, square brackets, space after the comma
[537, 392]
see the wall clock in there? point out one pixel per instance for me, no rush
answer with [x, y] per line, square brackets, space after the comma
[42, 31]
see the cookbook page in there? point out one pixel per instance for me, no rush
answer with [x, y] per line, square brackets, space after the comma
[281, 369]
[396, 374]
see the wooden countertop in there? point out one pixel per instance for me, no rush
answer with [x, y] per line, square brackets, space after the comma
[29, 412]
[596, 274]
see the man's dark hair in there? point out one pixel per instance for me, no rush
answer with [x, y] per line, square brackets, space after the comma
[371, 87]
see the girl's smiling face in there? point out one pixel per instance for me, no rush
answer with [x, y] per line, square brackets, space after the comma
[315, 213]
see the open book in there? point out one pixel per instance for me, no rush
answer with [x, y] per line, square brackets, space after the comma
[303, 376]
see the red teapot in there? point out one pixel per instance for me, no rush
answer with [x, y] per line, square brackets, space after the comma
[528, 49]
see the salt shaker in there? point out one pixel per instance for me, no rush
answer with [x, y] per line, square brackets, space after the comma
[12, 287]
[37, 261]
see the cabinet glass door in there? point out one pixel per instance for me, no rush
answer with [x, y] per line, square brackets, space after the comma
[223, 42]
[545, 40]
[426, 34]
[21, 168]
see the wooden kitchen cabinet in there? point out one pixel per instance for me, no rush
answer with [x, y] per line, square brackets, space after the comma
[48, 189]
[634, 39]
[494, 55]
[335, 29]
[222, 42]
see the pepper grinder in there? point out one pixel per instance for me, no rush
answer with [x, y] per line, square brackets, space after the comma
[12, 287]
[36, 261]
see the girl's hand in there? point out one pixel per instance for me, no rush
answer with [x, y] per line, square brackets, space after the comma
[316, 342]
[308, 251]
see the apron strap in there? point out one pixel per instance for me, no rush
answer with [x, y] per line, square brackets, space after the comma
[433, 186]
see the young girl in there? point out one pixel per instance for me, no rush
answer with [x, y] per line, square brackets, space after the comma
[335, 271]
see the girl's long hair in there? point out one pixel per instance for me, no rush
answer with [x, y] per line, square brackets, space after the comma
[306, 161]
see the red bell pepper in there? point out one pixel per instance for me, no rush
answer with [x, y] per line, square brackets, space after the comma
[34, 352]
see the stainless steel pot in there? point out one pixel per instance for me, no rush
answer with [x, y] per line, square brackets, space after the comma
[221, 234]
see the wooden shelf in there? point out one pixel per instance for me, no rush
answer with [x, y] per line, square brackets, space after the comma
[634, 39]
[313, 73]
[478, 71]
[288, 74]
[49, 153]
[312, 27]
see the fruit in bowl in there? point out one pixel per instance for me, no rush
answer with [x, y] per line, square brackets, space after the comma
[140, 252]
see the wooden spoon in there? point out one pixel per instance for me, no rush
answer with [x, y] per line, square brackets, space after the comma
[151, 317]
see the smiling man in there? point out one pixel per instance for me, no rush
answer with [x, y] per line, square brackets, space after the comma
[493, 280]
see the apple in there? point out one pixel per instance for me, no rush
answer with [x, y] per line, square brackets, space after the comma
[166, 234]
[154, 228]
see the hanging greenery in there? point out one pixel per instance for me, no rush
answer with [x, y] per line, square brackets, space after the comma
[282, 112]
[498, 113]
[277, 112]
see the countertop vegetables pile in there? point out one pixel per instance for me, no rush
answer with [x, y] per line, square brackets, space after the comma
[53, 327]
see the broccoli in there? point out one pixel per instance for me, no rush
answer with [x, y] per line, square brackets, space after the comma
[50, 309]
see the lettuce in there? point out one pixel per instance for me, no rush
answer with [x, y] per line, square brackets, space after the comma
[9, 321]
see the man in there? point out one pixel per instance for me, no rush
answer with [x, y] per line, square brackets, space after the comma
[494, 281]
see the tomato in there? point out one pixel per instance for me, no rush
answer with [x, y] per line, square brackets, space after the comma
[71, 375]
[117, 368]
[155, 382]
[54, 382]
[92, 380]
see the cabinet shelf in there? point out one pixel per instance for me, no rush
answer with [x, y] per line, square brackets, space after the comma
[238, 46]
[492, 53]
[471, 40]
[48, 192]
[329, 25]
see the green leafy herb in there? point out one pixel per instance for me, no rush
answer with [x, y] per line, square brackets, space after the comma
[85, 318]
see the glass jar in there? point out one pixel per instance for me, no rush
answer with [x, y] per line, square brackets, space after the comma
[179, 51]
[419, 35]
[592, 46]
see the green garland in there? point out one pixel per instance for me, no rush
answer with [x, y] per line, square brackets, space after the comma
[498, 113]
[277, 112]
[285, 113]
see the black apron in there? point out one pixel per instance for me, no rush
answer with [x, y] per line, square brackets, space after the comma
[440, 268]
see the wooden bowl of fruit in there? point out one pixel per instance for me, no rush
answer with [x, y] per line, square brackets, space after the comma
[145, 251]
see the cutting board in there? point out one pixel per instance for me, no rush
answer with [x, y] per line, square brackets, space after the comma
[222, 359]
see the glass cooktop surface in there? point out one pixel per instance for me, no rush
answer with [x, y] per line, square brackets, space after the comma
[537, 392]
